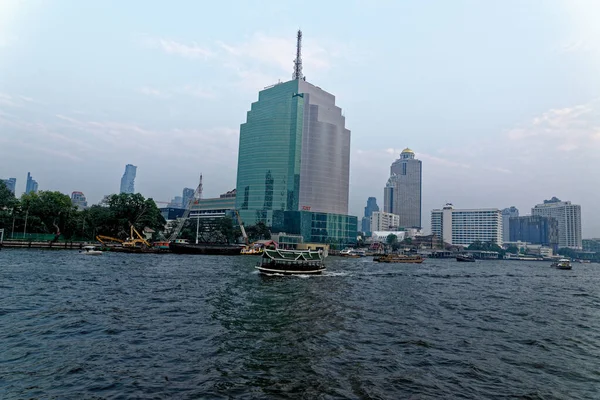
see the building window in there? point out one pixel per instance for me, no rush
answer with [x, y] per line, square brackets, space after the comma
[403, 168]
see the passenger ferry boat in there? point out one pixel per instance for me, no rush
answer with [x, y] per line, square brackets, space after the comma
[563, 263]
[291, 262]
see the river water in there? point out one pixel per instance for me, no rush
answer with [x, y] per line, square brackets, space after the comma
[175, 326]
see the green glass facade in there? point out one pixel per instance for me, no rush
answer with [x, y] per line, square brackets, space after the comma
[334, 229]
[293, 164]
[268, 176]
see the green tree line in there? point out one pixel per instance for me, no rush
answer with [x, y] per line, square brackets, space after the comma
[52, 213]
[49, 212]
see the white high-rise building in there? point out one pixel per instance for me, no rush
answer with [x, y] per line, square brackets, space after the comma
[463, 227]
[569, 220]
[383, 221]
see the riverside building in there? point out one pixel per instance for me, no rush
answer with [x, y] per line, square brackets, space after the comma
[402, 193]
[383, 221]
[463, 227]
[507, 214]
[534, 229]
[293, 162]
[568, 217]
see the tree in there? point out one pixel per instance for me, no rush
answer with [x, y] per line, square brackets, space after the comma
[8, 203]
[391, 239]
[128, 208]
[49, 212]
[258, 232]
[512, 249]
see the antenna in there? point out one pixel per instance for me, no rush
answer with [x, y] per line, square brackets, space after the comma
[298, 61]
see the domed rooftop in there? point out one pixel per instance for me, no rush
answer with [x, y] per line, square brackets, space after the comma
[407, 150]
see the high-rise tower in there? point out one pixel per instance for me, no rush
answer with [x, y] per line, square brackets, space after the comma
[31, 186]
[294, 157]
[128, 179]
[402, 193]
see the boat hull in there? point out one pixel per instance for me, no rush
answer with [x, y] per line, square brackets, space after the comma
[283, 271]
[207, 249]
[465, 259]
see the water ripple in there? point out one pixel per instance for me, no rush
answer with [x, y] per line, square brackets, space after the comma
[168, 326]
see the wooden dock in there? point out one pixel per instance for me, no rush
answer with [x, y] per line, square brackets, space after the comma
[23, 244]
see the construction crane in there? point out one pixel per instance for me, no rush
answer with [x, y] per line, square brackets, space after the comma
[133, 241]
[102, 238]
[186, 214]
[242, 228]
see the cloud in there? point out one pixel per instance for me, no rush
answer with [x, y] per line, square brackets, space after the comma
[258, 61]
[565, 129]
[149, 91]
[278, 51]
[169, 46]
[198, 91]
[193, 90]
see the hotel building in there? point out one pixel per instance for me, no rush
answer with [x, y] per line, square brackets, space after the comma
[463, 227]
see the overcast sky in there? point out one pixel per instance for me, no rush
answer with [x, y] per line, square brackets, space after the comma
[500, 100]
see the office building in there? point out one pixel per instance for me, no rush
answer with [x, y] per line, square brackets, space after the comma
[11, 184]
[78, 199]
[402, 193]
[128, 179]
[463, 227]
[176, 202]
[568, 217]
[293, 162]
[32, 185]
[369, 209]
[534, 229]
[187, 197]
[507, 214]
[383, 221]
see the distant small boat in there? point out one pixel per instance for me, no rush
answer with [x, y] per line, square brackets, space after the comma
[563, 263]
[90, 251]
[465, 258]
[399, 258]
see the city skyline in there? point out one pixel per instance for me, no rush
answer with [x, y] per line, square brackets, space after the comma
[476, 118]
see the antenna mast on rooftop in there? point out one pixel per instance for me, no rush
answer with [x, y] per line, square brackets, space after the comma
[298, 61]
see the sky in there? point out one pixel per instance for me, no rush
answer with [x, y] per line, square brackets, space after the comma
[500, 100]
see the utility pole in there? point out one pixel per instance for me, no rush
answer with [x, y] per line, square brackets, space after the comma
[25, 228]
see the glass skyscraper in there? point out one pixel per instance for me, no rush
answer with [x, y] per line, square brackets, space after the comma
[31, 186]
[294, 156]
[128, 179]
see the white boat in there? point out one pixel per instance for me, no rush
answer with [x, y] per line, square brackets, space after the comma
[90, 251]
[563, 263]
